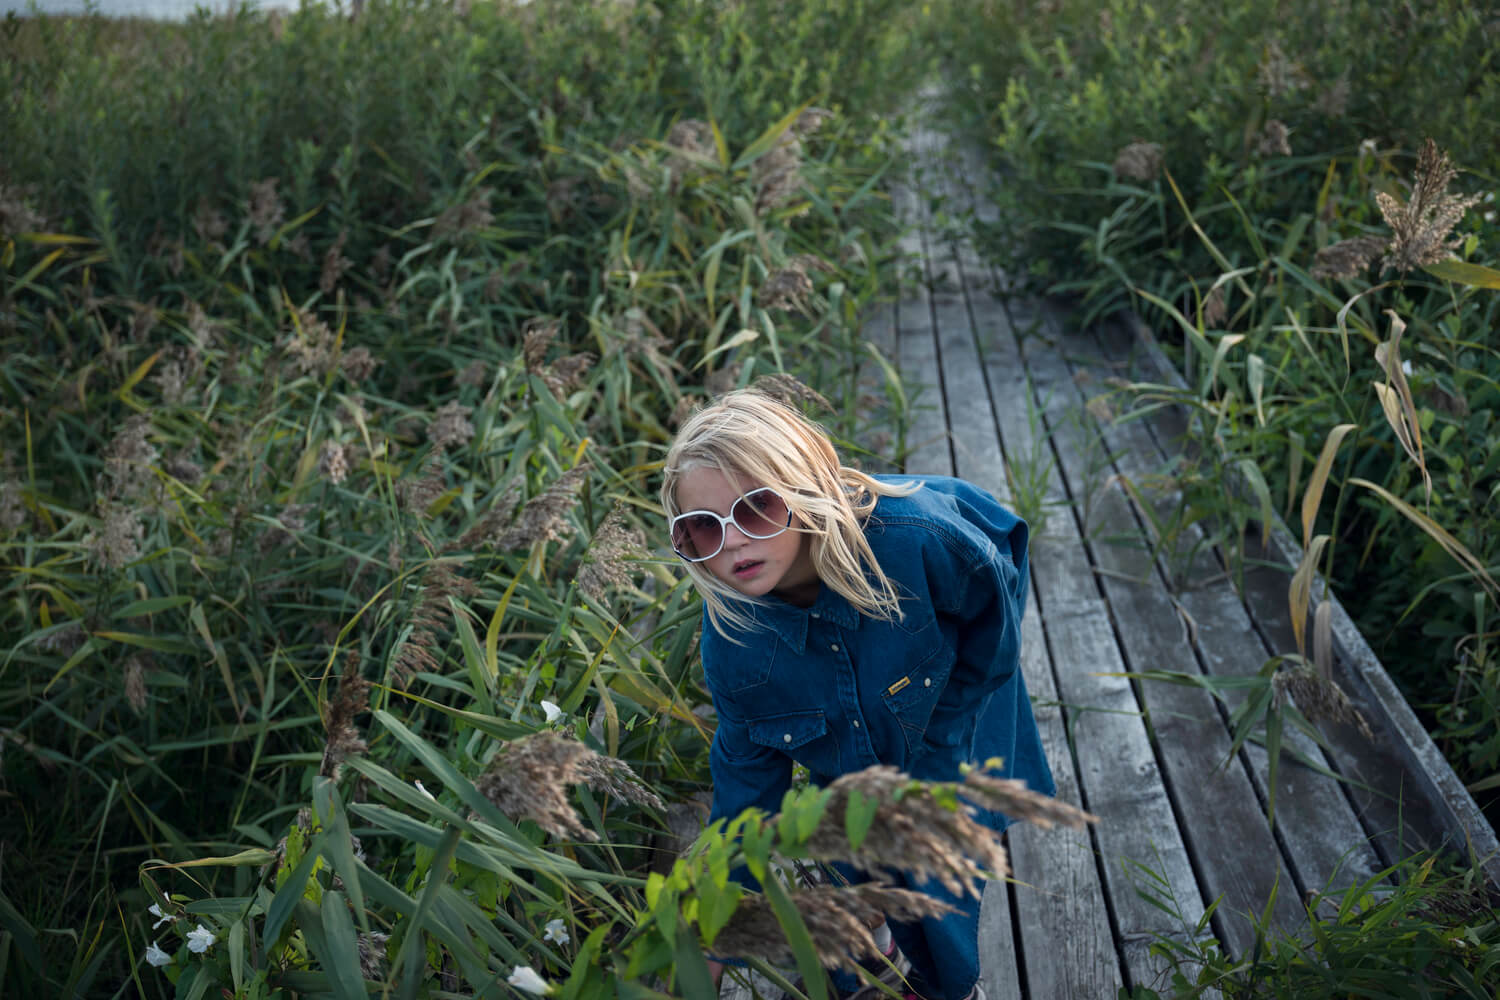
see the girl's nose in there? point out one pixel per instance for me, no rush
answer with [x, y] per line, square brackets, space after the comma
[733, 536]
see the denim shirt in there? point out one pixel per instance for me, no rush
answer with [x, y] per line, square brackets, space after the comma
[838, 691]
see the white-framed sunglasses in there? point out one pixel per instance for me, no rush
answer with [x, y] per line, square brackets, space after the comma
[699, 534]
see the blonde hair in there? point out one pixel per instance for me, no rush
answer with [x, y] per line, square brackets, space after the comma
[751, 438]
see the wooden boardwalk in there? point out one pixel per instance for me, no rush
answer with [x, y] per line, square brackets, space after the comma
[1008, 382]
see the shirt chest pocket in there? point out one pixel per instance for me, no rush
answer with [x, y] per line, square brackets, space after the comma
[911, 700]
[803, 736]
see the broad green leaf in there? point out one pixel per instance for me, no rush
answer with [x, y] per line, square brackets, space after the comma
[285, 901]
[338, 842]
[342, 959]
[768, 138]
[1464, 273]
[813, 978]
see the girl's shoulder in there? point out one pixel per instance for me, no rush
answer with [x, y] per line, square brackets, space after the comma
[967, 520]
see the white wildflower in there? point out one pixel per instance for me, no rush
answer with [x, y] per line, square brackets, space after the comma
[1406, 367]
[555, 931]
[156, 956]
[200, 939]
[553, 712]
[524, 977]
[155, 910]
[423, 790]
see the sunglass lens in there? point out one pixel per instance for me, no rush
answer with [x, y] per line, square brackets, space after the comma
[697, 536]
[761, 514]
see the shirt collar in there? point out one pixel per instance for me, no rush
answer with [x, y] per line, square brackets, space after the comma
[791, 622]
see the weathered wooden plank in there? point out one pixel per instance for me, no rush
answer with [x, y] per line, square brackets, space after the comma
[1234, 852]
[1066, 941]
[1323, 840]
[1116, 768]
[929, 451]
[1068, 946]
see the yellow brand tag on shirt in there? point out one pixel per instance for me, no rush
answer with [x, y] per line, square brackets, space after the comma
[898, 685]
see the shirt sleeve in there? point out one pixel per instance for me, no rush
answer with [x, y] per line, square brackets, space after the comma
[984, 593]
[745, 773]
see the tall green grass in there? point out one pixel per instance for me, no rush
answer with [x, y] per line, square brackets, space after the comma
[344, 348]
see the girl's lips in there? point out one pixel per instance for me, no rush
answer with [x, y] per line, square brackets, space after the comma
[747, 568]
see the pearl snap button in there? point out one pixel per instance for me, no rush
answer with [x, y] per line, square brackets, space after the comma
[816, 615]
[787, 738]
[927, 683]
[834, 647]
[856, 723]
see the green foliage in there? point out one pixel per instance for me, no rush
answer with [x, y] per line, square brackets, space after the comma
[1411, 931]
[349, 347]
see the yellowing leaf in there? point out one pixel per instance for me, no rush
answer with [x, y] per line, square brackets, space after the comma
[1464, 273]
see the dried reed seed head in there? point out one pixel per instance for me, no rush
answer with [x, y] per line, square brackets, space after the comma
[170, 381]
[451, 426]
[536, 338]
[416, 495]
[1333, 101]
[791, 390]
[544, 518]
[1348, 259]
[1100, 409]
[777, 175]
[380, 264]
[342, 738]
[1420, 228]
[265, 209]
[291, 520]
[724, 379]
[606, 564]
[1019, 802]
[209, 223]
[308, 343]
[811, 120]
[180, 466]
[1139, 161]
[1274, 139]
[1320, 699]
[372, 960]
[1277, 74]
[473, 375]
[12, 508]
[358, 364]
[789, 289]
[686, 404]
[694, 137]
[16, 216]
[428, 618]
[335, 264]
[118, 541]
[529, 778]
[1216, 307]
[566, 374]
[135, 684]
[913, 833]
[487, 530]
[836, 918]
[468, 216]
[333, 462]
[128, 461]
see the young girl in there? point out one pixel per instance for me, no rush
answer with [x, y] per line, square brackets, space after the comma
[851, 620]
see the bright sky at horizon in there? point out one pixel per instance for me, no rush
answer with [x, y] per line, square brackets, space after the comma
[167, 10]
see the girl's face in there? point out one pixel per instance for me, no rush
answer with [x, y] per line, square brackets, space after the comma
[752, 566]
